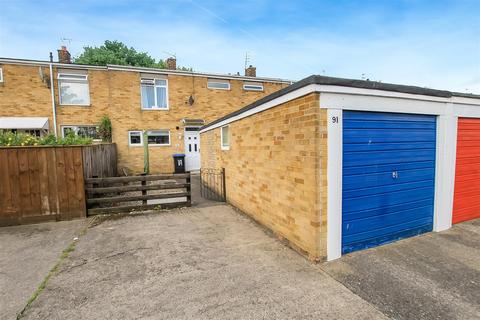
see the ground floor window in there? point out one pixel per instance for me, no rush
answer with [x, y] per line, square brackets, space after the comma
[33, 132]
[135, 138]
[154, 138]
[83, 131]
[158, 137]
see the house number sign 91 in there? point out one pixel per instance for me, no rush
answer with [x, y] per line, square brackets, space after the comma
[335, 119]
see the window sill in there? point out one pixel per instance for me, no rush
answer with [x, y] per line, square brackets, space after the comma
[225, 148]
[76, 105]
[159, 145]
[219, 89]
[154, 109]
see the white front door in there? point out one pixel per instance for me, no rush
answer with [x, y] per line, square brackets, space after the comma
[192, 149]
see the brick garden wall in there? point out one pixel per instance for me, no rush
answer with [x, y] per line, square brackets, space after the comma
[276, 170]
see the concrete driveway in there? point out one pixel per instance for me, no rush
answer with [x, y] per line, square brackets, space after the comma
[211, 262]
[197, 263]
[27, 253]
[434, 276]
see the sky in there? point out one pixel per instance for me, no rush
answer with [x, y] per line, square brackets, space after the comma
[433, 44]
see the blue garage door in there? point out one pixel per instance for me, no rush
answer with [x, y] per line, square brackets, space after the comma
[388, 177]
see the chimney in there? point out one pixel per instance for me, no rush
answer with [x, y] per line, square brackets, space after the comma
[64, 55]
[172, 63]
[251, 71]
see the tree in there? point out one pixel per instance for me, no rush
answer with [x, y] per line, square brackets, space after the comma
[115, 52]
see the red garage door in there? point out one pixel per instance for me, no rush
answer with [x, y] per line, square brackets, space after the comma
[466, 204]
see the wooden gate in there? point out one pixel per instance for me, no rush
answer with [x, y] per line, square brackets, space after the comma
[212, 184]
[136, 193]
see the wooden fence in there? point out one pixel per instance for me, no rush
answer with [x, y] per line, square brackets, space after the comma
[100, 160]
[41, 183]
[136, 193]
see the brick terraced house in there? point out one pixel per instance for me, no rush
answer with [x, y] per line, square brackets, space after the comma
[42, 97]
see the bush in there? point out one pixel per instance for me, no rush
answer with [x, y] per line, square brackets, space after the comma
[17, 139]
[9, 139]
[105, 129]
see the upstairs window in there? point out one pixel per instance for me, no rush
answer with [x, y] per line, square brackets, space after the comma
[1, 74]
[73, 89]
[225, 138]
[154, 94]
[218, 85]
[253, 86]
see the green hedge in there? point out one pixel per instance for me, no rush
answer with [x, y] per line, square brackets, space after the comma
[10, 139]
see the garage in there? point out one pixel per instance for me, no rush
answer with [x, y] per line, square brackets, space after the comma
[388, 174]
[466, 204]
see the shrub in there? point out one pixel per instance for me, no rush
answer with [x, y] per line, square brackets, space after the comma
[73, 139]
[105, 129]
[8, 139]
[17, 139]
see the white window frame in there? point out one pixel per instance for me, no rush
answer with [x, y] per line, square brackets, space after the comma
[223, 146]
[209, 82]
[155, 107]
[73, 77]
[1, 75]
[130, 144]
[74, 126]
[253, 87]
[163, 144]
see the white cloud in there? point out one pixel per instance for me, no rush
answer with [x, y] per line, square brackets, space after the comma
[431, 54]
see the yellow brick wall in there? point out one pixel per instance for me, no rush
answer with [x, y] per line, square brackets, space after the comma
[209, 105]
[276, 170]
[117, 94]
[23, 94]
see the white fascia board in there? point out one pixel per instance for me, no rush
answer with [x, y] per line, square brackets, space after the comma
[377, 103]
[466, 110]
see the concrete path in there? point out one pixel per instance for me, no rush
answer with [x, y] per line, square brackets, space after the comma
[434, 276]
[197, 263]
[27, 253]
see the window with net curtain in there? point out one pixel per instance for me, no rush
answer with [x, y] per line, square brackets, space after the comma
[154, 93]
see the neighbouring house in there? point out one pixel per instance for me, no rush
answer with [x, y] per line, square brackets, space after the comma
[57, 97]
[337, 165]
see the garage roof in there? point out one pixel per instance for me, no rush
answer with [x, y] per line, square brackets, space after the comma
[342, 82]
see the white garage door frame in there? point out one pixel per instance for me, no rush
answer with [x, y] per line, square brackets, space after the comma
[447, 113]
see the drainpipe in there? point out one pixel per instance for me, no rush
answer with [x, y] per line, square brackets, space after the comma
[54, 109]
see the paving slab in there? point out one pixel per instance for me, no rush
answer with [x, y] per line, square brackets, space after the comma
[27, 253]
[197, 263]
[433, 276]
